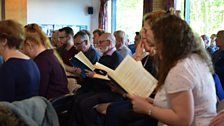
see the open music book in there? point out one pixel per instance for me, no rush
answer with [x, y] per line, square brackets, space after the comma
[130, 75]
[82, 62]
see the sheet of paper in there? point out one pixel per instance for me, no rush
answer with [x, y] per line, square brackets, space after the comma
[80, 56]
[133, 78]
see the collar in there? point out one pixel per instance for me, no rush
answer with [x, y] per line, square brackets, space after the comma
[111, 51]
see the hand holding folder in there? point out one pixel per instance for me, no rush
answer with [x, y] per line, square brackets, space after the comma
[129, 75]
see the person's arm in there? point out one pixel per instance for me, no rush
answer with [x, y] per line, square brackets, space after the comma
[218, 120]
[89, 73]
[181, 112]
[72, 70]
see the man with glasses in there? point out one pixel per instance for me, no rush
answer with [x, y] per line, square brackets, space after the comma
[82, 43]
[99, 91]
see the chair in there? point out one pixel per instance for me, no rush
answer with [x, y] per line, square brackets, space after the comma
[62, 104]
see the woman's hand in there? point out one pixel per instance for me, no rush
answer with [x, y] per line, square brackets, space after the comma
[77, 70]
[218, 120]
[139, 51]
[89, 73]
[141, 104]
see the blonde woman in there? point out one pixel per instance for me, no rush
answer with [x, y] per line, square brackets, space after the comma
[53, 81]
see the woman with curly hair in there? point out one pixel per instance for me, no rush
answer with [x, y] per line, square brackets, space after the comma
[186, 93]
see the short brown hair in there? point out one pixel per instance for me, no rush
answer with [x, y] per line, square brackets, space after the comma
[13, 32]
[99, 31]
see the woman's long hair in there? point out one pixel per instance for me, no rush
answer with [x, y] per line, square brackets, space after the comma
[175, 41]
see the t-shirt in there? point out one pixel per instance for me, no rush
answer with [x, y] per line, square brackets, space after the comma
[191, 73]
[19, 79]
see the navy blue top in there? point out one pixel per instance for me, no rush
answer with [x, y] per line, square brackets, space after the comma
[53, 80]
[19, 79]
[93, 55]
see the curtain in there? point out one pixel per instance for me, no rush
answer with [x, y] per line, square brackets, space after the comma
[147, 6]
[102, 24]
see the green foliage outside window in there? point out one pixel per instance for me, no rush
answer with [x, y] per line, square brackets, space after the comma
[207, 16]
[129, 16]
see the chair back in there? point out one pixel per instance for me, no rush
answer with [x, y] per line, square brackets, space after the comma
[61, 105]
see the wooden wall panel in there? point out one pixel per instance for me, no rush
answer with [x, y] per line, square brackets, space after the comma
[15, 9]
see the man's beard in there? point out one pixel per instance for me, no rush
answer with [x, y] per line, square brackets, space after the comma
[103, 50]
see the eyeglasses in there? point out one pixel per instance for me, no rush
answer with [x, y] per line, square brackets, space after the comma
[79, 43]
[61, 37]
[101, 41]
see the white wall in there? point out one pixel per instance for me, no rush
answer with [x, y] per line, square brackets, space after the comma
[67, 12]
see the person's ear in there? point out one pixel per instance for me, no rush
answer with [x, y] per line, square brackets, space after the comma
[4, 42]
[86, 42]
[28, 44]
[69, 37]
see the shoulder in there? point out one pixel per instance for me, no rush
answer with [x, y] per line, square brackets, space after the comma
[117, 55]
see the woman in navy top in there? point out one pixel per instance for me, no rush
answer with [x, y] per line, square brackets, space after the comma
[53, 80]
[19, 75]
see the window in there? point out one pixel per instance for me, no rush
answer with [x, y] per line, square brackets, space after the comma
[206, 16]
[180, 7]
[128, 18]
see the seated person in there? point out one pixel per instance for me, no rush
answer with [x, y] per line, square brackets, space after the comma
[99, 91]
[82, 43]
[66, 48]
[121, 40]
[184, 71]
[53, 80]
[118, 109]
[137, 38]
[218, 56]
[19, 75]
